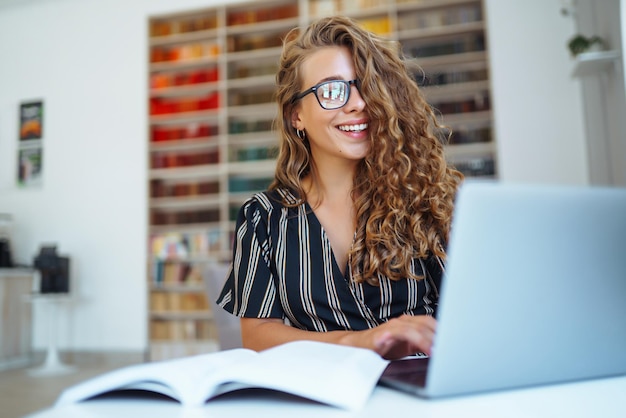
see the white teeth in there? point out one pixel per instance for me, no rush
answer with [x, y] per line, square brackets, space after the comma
[353, 128]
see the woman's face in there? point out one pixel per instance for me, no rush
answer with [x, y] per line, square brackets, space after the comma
[337, 134]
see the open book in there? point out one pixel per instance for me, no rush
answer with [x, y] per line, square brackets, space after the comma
[331, 374]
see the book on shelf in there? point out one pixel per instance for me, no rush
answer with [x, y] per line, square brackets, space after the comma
[187, 301]
[331, 374]
[181, 245]
[186, 331]
[174, 272]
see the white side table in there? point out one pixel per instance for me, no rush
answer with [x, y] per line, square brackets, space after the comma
[50, 303]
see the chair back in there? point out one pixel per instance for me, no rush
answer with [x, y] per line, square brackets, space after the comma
[228, 328]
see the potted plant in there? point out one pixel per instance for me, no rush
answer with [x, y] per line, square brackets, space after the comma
[580, 43]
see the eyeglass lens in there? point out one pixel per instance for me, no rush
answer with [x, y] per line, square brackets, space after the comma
[333, 94]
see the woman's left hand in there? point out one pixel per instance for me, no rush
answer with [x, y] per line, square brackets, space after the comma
[405, 335]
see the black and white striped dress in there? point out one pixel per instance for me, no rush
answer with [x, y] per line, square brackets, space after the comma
[283, 267]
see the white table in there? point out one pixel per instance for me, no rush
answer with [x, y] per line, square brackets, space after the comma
[605, 398]
[51, 302]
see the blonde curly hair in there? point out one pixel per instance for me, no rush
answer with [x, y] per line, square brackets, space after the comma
[403, 190]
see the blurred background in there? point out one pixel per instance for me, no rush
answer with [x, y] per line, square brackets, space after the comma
[155, 124]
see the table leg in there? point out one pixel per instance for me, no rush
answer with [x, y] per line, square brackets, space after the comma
[52, 364]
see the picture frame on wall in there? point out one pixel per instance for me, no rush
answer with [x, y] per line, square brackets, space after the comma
[30, 144]
[31, 120]
[29, 164]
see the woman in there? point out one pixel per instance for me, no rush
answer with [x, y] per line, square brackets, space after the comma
[347, 244]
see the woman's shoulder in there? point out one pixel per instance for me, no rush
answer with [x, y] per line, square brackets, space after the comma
[271, 200]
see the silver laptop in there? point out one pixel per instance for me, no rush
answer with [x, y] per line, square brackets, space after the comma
[534, 292]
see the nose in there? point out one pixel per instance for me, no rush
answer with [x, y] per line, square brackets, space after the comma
[355, 101]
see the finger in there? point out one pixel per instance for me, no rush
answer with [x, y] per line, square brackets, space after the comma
[424, 324]
[383, 343]
[405, 334]
[420, 320]
[420, 339]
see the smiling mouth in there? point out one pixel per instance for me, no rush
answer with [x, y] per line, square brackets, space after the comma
[353, 128]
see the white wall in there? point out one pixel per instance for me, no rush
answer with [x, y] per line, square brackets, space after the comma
[622, 19]
[539, 124]
[87, 60]
[604, 95]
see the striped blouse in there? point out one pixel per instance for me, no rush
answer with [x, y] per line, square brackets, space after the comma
[283, 267]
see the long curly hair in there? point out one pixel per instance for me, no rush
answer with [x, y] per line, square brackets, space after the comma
[403, 190]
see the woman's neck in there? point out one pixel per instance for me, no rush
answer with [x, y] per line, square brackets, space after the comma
[332, 183]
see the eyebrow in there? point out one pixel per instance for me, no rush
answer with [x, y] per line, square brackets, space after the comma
[330, 78]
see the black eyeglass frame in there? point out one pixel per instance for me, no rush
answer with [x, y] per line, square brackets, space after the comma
[356, 82]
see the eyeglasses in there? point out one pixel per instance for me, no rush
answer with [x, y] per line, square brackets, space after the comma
[332, 94]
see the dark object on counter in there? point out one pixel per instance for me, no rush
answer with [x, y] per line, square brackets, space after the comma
[5, 253]
[54, 271]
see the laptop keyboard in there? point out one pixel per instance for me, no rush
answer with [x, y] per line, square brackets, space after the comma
[412, 371]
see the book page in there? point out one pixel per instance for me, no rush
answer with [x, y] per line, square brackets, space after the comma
[332, 374]
[176, 378]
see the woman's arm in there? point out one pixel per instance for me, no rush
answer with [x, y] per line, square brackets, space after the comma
[396, 338]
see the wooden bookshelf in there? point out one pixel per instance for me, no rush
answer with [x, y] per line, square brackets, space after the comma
[211, 143]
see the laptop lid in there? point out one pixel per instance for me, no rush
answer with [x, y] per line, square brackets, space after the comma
[534, 291]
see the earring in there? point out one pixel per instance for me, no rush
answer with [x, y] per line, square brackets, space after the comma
[301, 134]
